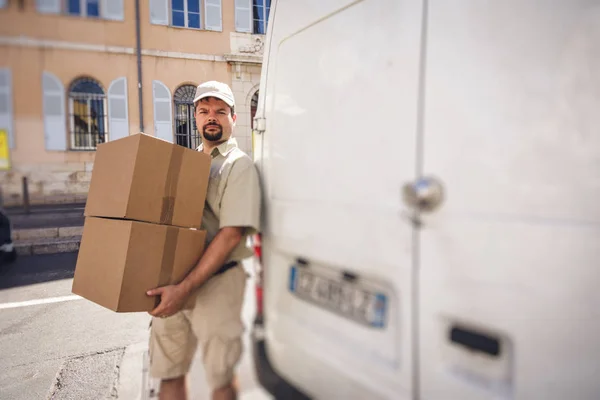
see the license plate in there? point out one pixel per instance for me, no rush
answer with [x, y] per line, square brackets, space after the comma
[345, 298]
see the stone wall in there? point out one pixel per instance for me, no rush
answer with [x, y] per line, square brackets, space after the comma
[47, 183]
[244, 85]
[245, 58]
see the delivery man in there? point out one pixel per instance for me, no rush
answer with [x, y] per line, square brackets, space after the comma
[231, 214]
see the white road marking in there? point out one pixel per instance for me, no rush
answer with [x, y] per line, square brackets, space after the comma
[39, 301]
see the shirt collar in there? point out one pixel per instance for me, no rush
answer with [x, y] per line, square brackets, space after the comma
[224, 148]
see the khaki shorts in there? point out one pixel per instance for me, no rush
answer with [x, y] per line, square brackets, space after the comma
[214, 323]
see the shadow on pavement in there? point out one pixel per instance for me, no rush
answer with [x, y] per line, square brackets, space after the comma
[29, 270]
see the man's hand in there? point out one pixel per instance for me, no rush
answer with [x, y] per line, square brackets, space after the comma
[172, 300]
[173, 297]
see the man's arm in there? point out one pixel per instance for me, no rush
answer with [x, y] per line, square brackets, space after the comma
[240, 215]
[215, 256]
[173, 297]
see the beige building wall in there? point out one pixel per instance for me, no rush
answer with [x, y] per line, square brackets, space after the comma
[71, 47]
[244, 85]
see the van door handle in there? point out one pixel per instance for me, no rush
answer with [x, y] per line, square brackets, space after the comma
[425, 194]
[475, 341]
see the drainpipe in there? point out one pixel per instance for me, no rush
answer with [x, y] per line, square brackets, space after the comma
[138, 40]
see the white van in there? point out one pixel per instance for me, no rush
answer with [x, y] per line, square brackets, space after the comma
[431, 175]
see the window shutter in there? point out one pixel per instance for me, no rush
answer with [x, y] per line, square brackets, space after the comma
[6, 115]
[163, 126]
[118, 116]
[48, 6]
[55, 128]
[159, 12]
[243, 16]
[213, 15]
[113, 10]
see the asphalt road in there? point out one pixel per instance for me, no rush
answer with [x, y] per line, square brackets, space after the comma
[67, 349]
[47, 216]
[54, 345]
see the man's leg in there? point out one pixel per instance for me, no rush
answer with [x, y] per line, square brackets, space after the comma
[228, 392]
[221, 354]
[173, 389]
[172, 348]
[218, 326]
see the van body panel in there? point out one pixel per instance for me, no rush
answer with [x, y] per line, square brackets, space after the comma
[502, 110]
[330, 178]
[511, 129]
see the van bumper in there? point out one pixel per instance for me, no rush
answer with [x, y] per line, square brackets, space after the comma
[269, 379]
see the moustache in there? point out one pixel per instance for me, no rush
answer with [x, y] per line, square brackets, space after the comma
[212, 124]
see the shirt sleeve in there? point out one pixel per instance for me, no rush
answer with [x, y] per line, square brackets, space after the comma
[241, 201]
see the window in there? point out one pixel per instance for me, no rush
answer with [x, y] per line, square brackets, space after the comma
[6, 107]
[2, 3]
[106, 9]
[253, 106]
[186, 133]
[55, 122]
[185, 13]
[260, 12]
[87, 114]
[163, 110]
[84, 8]
[195, 14]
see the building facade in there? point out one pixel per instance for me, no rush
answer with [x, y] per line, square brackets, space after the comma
[76, 73]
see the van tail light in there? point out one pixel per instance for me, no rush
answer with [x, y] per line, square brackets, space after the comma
[258, 246]
[259, 275]
[259, 301]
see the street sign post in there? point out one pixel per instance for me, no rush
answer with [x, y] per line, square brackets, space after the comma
[4, 151]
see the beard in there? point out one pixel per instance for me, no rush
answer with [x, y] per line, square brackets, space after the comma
[214, 136]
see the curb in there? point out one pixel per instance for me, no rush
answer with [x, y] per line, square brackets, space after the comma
[69, 244]
[46, 233]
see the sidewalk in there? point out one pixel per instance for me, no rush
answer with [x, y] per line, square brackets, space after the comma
[136, 384]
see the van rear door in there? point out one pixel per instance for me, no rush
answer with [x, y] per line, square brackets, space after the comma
[340, 141]
[509, 264]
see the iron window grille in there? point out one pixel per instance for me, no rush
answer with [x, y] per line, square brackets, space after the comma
[87, 115]
[186, 132]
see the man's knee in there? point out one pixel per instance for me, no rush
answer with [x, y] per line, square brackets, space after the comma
[221, 356]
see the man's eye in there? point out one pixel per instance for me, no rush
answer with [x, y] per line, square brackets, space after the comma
[201, 112]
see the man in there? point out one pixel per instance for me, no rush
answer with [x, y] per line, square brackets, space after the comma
[231, 213]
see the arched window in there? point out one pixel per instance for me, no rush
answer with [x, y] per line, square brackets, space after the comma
[87, 114]
[186, 133]
[253, 106]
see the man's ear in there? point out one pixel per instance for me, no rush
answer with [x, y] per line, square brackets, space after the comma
[234, 118]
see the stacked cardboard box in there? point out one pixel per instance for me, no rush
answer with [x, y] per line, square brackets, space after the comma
[142, 221]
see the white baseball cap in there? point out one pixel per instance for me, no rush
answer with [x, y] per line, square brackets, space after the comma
[215, 89]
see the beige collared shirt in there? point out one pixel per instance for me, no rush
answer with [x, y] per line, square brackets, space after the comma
[233, 197]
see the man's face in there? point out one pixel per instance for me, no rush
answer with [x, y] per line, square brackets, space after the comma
[214, 119]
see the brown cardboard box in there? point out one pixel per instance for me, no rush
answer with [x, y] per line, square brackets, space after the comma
[119, 260]
[143, 178]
